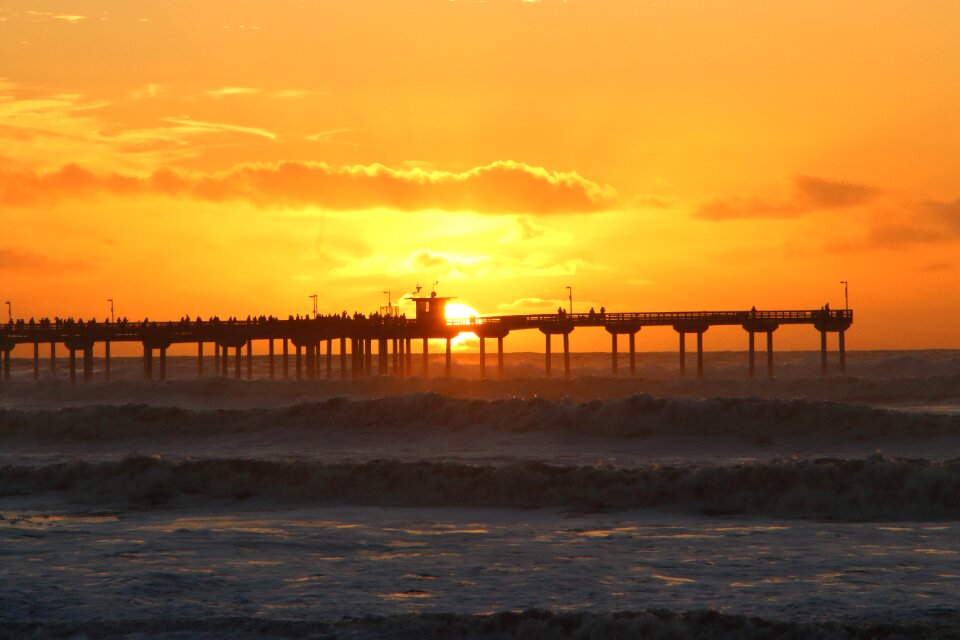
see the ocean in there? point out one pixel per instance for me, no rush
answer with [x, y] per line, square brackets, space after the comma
[596, 507]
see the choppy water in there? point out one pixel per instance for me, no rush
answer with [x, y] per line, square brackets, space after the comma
[468, 508]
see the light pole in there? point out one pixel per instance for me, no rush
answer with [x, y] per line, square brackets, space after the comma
[389, 303]
[110, 300]
[846, 295]
[570, 298]
[9, 310]
[314, 297]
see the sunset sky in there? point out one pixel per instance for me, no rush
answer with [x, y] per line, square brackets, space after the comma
[233, 157]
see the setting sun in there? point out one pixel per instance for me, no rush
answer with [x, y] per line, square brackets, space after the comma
[460, 311]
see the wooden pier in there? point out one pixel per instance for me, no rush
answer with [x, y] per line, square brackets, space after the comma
[310, 342]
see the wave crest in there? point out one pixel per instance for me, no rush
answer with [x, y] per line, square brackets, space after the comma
[637, 415]
[865, 489]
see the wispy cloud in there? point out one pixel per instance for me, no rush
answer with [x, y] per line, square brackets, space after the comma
[221, 126]
[326, 136]
[503, 187]
[14, 259]
[811, 194]
[226, 92]
[38, 128]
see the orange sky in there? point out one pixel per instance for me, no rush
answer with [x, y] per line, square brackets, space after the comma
[233, 157]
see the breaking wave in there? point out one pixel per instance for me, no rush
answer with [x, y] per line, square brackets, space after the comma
[533, 624]
[638, 415]
[874, 488]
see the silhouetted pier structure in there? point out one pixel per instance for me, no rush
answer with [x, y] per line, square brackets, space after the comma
[310, 342]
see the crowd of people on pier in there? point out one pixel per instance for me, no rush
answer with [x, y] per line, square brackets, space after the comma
[74, 324]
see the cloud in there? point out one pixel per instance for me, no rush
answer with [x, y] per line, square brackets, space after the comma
[13, 259]
[811, 194]
[503, 187]
[326, 136]
[220, 126]
[819, 193]
[227, 92]
[945, 214]
[927, 222]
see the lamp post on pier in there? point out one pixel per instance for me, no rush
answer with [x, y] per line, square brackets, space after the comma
[570, 298]
[9, 310]
[846, 295]
[314, 297]
[110, 300]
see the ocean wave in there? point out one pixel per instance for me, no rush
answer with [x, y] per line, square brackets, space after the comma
[638, 415]
[896, 385]
[532, 624]
[874, 488]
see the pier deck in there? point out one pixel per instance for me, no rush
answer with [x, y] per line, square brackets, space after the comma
[393, 336]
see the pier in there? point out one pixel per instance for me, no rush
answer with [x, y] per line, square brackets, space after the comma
[344, 346]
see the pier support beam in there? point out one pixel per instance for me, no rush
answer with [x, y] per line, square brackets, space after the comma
[5, 354]
[250, 359]
[238, 364]
[383, 355]
[770, 355]
[368, 357]
[329, 358]
[298, 357]
[426, 358]
[683, 354]
[753, 327]
[682, 329]
[449, 360]
[548, 355]
[614, 356]
[216, 358]
[566, 356]
[285, 357]
[499, 357]
[53, 358]
[408, 354]
[843, 351]
[356, 356]
[106, 360]
[270, 364]
[88, 363]
[311, 360]
[147, 362]
[36, 360]
[633, 354]
[163, 363]
[73, 366]
[699, 354]
[483, 357]
[343, 358]
[823, 353]
[199, 359]
[224, 360]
